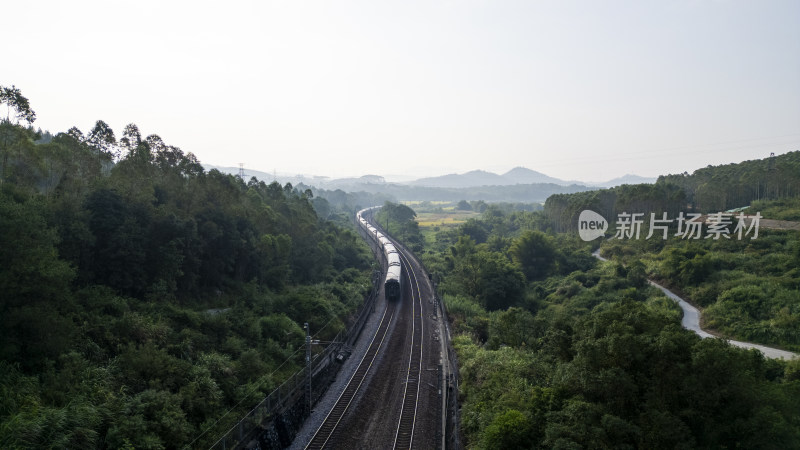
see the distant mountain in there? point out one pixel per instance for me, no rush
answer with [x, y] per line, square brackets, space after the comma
[353, 184]
[523, 193]
[478, 178]
[263, 176]
[521, 175]
[517, 175]
[468, 183]
[626, 179]
[470, 179]
[266, 177]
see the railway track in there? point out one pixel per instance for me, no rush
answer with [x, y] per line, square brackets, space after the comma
[404, 437]
[325, 433]
[405, 344]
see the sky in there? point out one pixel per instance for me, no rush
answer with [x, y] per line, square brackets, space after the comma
[579, 90]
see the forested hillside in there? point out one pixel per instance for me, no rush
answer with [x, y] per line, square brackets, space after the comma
[748, 288]
[708, 190]
[559, 350]
[142, 297]
[719, 188]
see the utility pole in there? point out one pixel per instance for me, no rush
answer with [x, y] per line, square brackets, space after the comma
[308, 366]
[771, 173]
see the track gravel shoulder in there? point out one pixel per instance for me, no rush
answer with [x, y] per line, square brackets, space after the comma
[327, 401]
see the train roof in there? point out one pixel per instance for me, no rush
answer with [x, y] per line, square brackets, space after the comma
[393, 273]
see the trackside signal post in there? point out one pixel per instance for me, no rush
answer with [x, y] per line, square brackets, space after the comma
[308, 366]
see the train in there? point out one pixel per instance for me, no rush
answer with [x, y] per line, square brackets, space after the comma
[391, 286]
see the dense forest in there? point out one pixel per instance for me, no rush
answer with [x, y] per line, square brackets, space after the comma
[719, 188]
[144, 298]
[749, 288]
[559, 350]
[708, 190]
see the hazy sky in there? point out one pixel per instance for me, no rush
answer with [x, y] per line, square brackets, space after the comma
[575, 89]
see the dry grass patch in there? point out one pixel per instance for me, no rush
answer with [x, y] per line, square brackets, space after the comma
[444, 218]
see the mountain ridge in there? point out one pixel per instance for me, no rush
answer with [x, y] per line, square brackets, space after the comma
[517, 175]
[472, 179]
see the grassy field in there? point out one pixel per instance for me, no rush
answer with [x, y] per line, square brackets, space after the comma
[444, 218]
[426, 204]
[436, 216]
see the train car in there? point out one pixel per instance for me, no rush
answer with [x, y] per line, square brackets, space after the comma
[394, 272]
[391, 286]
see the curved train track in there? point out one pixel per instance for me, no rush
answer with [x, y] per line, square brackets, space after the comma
[326, 435]
[404, 437]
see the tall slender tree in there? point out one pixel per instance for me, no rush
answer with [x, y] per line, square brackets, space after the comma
[13, 99]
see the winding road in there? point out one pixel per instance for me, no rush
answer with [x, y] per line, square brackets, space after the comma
[691, 321]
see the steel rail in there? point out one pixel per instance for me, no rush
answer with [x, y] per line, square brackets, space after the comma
[404, 437]
[325, 432]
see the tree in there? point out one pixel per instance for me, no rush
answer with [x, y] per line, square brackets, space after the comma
[102, 139]
[31, 270]
[394, 213]
[534, 253]
[13, 99]
[636, 274]
[76, 134]
[475, 229]
[12, 137]
[151, 419]
[513, 327]
[487, 276]
[398, 220]
[479, 206]
[131, 138]
[509, 430]
[34, 284]
[120, 231]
